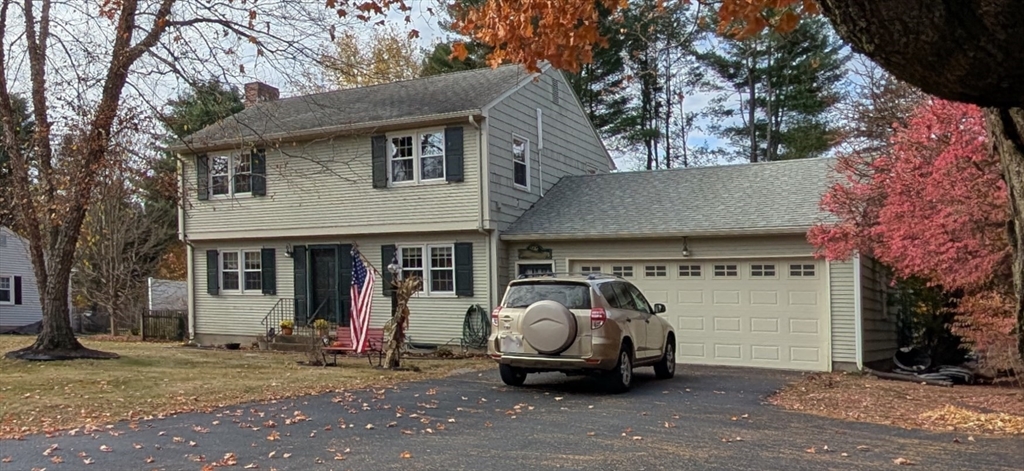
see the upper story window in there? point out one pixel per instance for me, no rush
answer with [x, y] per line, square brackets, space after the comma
[521, 162]
[416, 157]
[230, 174]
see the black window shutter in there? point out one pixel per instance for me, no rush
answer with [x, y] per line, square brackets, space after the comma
[212, 272]
[453, 150]
[464, 269]
[344, 285]
[387, 254]
[259, 172]
[379, 158]
[17, 290]
[203, 176]
[301, 292]
[268, 259]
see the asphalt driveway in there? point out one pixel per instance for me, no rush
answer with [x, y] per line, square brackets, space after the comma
[704, 419]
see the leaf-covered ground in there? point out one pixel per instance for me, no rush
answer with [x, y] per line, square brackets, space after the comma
[966, 409]
[154, 379]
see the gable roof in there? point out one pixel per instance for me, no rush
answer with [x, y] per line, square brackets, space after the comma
[762, 198]
[434, 97]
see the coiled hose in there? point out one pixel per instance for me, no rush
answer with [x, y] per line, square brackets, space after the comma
[476, 327]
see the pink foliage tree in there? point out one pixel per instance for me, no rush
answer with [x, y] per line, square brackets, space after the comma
[933, 205]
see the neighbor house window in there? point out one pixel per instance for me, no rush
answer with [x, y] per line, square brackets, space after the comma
[417, 157]
[434, 264]
[625, 271]
[6, 290]
[241, 271]
[655, 271]
[762, 270]
[726, 271]
[798, 269]
[231, 174]
[521, 162]
[689, 271]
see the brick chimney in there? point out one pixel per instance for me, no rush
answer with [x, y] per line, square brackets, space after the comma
[256, 92]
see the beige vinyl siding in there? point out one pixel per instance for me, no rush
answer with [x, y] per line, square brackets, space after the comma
[432, 320]
[570, 145]
[879, 334]
[844, 327]
[325, 187]
[15, 261]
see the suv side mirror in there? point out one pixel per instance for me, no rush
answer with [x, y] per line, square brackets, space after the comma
[659, 308]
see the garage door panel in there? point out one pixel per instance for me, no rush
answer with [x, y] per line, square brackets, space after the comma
[755, 318]
[726, 297]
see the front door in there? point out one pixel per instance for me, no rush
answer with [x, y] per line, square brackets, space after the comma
[323, 283]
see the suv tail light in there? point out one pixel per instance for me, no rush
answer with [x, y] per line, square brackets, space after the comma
[597, 317]
[494, 316]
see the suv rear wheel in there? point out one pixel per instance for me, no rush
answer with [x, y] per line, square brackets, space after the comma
[511, 375]
[621, 378]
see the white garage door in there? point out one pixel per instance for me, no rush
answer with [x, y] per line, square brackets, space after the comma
[762, 313]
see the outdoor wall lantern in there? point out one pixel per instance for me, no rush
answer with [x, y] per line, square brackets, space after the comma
[288, 250]
[686, 249]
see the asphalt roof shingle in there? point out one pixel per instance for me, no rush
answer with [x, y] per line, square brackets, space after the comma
[747, 198]
[423, 97]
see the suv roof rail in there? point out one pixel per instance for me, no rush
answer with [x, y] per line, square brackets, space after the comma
[589, 275]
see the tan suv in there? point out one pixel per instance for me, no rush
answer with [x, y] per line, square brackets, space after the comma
[589, 324]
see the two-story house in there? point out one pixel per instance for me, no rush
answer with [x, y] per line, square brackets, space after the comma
[428, 172]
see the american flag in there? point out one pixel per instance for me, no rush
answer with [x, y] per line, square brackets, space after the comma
[362, 299]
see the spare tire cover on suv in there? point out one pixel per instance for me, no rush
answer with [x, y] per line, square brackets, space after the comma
[549, 327]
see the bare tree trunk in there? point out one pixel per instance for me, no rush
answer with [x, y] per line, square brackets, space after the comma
[1006, 129]
[751, 111]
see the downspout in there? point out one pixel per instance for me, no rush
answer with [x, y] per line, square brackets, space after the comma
[540, 150]
[858, 319]
[189, 252]
[482, 179]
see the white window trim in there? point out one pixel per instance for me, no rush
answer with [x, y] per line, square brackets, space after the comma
[417, 169]
[726, 270]
[10, 279]
[655, 276]
[775, 268]
[425, 290]
[512, 144]
[241, 272]
[700, 271]
[232, 156]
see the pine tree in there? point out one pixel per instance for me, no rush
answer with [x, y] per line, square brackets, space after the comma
[601, 84]
[787, 84]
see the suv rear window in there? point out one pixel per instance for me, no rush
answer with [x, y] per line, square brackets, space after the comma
[571, 295]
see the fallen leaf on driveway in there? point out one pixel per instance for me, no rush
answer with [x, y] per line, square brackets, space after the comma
[970, 438]
[956, 439]
[591, 434]
[150, 459]
[559, 398]
[6, 459]
[51, 449]
[192, 443]
[229, 459]
[88, 460]
[272, 454]
[161, 434]
[863, 448]
[178, 440]
[844, 455]
[286, 455]
[903, 462]
[406, 455]
[339, 456]
[251, 466]
[670, 424]
[137, 445]
[274, 436]
[105, 448]
[638, 438]
[811, 450]
[369, 426]
[56, 459]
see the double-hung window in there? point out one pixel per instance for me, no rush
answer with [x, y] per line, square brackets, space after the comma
[241, 271]
[231, 174]
[417, 157]
[6, 289]
[434, 264]
[521, 162]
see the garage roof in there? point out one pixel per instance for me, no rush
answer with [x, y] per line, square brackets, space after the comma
[761, 198]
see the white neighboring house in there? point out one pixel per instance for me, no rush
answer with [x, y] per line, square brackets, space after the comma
[19, 295]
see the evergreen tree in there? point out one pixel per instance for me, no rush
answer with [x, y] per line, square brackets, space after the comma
[787, 84]
[601, 84]
[25, 127]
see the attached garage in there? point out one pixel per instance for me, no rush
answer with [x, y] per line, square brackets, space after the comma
[739, 279]
[770, 313]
